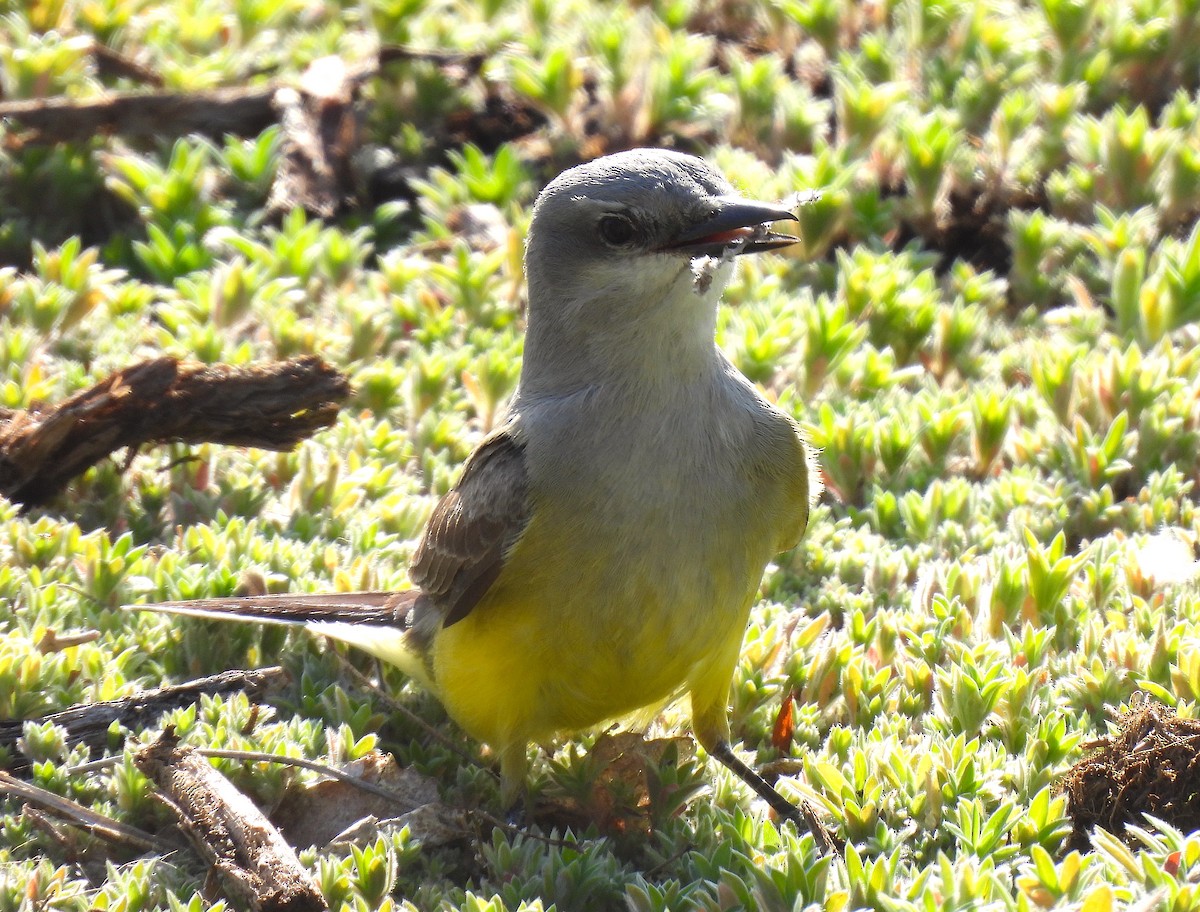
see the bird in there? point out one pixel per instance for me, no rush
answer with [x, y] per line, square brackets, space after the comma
[604, 544]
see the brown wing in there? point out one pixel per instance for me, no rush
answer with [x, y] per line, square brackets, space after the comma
[472, 529]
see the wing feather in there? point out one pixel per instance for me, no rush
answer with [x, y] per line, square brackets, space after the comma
[298, 608]
[473, 528]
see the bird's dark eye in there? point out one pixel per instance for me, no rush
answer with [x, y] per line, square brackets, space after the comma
[616, 230]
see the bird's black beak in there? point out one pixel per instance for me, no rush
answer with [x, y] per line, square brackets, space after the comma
[737, 226]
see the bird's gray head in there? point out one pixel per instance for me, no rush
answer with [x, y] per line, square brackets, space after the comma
[612, 246]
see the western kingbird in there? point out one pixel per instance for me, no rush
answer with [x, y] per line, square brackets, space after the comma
[603, 547]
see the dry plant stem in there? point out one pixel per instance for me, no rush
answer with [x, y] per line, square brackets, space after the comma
[260, 757]
[78, 815]
[90, 722]
[272, 406]
[254, 864]
[301, 763]
[61, 838]
[113, 64]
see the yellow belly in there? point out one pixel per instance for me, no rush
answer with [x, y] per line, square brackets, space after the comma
[570, 640]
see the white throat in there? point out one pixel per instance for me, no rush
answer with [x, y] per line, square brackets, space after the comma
[640, 328]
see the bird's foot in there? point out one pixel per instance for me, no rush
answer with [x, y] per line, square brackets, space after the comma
[827, 842]
[517, 816]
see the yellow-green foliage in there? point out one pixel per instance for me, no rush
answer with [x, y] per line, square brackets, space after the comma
[990, 329]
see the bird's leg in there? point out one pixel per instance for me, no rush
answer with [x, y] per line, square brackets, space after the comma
[804, 813]
[710, 724]
[514, 794]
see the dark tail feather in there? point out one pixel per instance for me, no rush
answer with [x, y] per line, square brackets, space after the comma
[378, 608]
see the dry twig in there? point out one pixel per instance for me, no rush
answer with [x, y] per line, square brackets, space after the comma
[324, 769]
[90, 722]
[114, 64]
[241, 111]
[272, 406]
[77, 815]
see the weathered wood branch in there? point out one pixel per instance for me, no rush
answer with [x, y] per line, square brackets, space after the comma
[255, 865]
[272, 406]
[241, 110]
[89, 723]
